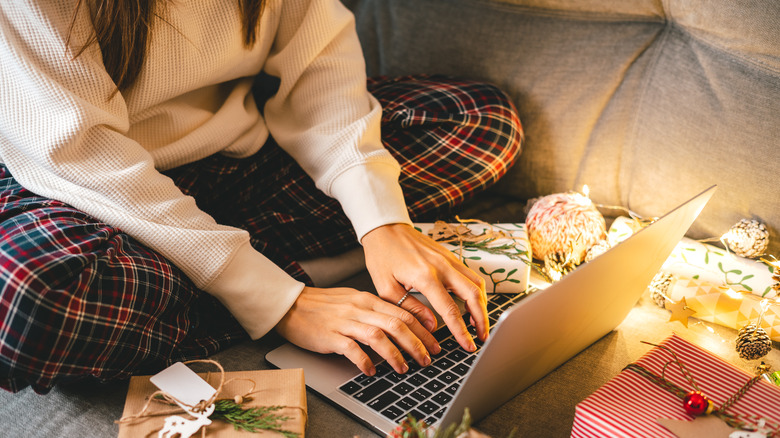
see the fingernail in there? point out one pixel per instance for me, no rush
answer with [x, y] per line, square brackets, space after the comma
[436, 348]
[405, 367]
[371, 371]
[430, 325]
[427, 360]
[472, 346]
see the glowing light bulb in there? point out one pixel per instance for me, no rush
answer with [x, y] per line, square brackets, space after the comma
[733, 294]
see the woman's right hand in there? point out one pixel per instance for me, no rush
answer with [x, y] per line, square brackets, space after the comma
[335, 320]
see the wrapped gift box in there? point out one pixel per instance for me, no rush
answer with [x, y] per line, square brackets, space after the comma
[284, 388]
[503, 262]
[629, 405]
[702, 261]
[719, 286]
[724, 306]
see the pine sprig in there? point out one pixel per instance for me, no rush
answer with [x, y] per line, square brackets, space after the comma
[251, 419]
[413, 428]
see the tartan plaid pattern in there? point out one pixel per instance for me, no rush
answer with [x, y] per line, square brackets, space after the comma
[81, 298]
[453, 138]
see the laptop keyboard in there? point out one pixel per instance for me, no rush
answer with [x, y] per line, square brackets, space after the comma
[424, 392]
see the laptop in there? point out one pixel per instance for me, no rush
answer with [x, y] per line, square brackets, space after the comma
[535, 333]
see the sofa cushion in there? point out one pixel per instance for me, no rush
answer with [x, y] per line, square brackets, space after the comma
[647, 102]
[747, 30]
[705, 116]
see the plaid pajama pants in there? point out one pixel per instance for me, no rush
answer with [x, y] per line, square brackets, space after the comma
[80, 298]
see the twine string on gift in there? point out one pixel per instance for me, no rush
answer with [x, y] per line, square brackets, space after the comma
[198, 407]
[461, 236]
[444, 232]
[203, 405]
[732, 420]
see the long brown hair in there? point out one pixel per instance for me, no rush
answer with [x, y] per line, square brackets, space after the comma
[122, 30]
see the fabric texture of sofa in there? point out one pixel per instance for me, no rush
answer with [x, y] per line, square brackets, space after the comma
[647, 102]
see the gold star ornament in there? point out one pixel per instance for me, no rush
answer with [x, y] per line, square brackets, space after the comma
[680, 311]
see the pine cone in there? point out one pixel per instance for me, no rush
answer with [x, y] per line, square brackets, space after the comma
[753, 342]
[558, 264]
[747, 238]
[660, 287]
[597, 249]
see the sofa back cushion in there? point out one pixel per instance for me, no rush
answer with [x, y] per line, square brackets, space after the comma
[645, 101]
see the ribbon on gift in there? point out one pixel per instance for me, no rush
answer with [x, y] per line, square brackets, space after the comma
[497, 252]
[630, 405]
[459, 233]
[745, 422]
[283, 391]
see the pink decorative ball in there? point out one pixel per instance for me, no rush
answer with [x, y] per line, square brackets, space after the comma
[565, 223]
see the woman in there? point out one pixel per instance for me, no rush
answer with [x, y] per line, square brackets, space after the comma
[140, 181]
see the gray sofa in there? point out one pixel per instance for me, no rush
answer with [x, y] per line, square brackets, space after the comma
[645, 101]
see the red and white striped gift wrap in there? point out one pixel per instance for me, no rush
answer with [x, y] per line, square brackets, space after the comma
[629, 404]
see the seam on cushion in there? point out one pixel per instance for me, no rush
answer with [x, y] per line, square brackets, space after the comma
[731, 56]
[573, 15]
[628, 152]
[611, 99]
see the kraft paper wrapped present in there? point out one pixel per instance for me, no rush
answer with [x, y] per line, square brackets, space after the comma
[630, 404]
[285, 388]
[498, 252]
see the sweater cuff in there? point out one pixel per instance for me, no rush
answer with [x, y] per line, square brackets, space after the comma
[255, 291]
[371, 196]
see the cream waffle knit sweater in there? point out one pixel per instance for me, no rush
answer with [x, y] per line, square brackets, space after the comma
[64, 135]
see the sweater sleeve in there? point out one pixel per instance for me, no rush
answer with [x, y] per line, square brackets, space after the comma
[335, 131]
[63, 136]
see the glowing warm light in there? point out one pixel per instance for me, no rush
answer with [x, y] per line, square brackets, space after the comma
[586, 190]
[733, 294]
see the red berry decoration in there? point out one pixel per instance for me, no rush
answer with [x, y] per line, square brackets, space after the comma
[696, 403]
[408, 428]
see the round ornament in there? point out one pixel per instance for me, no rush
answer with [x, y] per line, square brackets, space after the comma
[753, 342]
[695, 403]
[660, 287]
[565, 223]
[747, 238]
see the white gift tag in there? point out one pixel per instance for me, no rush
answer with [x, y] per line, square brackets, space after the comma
[180, 382]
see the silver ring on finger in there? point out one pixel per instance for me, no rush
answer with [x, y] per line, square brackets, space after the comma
[403, 298]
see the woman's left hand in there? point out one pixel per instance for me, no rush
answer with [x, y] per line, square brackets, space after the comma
[400, 258]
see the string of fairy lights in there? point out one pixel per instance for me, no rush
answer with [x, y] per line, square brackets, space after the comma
[568, 229]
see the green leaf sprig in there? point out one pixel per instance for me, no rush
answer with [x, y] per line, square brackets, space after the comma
[252, 419]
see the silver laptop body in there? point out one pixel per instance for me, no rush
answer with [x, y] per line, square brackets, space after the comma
[534, 336]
